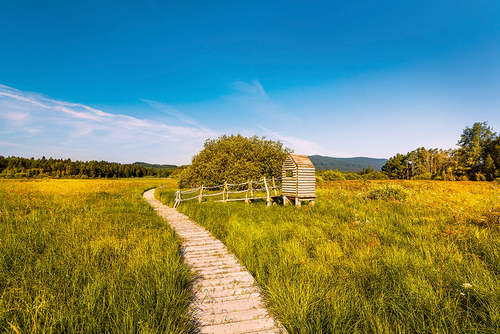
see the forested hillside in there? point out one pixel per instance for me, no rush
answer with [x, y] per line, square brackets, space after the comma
[346, 164]
[154, 166]
[477, 158]
[14, 167]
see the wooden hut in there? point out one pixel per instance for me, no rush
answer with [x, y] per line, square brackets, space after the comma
[299, 179]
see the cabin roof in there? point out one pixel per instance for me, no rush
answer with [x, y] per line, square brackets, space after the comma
[300, 160]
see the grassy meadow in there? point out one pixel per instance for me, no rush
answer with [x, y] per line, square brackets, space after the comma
[88, 257]
[363, 262]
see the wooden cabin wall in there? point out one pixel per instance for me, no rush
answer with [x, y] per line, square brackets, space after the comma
[289, 184]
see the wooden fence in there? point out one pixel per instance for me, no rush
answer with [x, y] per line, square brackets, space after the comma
[271, 191]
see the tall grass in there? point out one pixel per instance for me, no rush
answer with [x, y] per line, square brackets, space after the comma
[88, 257]
[351, 264]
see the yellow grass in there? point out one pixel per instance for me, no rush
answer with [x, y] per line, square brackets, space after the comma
[88, 257]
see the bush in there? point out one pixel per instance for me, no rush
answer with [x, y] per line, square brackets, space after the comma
[480, 177]
[352, 176]
[389, 191]
[333, 176]
[423, 176]
[376, 176]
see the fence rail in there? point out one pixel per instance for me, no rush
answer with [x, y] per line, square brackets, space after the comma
[249, 192]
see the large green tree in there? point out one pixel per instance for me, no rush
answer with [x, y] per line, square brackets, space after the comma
[473, 153]
[234, 159]
[492, 160]
[396, 166]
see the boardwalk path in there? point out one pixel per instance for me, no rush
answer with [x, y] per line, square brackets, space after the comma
[226, 297]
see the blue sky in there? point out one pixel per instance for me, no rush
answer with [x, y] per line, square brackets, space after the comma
[151, 80]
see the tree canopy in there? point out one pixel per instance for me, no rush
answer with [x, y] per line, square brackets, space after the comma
[234, 159]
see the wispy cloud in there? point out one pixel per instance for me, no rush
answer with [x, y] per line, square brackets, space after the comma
[301, 146]
[176, 113]
[33, 120]
[254, 88]
[252, 97]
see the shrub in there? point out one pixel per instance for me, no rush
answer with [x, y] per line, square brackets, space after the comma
[389, 191]
[376, 176]
[480, 177]
[333, 176]
[352, 176]
[423, 176]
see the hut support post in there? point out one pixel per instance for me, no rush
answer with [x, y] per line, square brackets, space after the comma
[274, 187]
[285, 201]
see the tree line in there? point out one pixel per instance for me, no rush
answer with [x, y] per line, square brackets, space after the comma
[15, 167]
[477, 159]
[366, 174]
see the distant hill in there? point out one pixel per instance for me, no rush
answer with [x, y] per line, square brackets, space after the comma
[346, 164]
[145, 164]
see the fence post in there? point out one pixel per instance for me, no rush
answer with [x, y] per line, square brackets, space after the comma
[267, 191]
[246, 194]
[224, 193]
[201, 194]
[176, 202]
[251, 189]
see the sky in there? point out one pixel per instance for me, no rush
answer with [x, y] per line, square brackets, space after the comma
[151, 81]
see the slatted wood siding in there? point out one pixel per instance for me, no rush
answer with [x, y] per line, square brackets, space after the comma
[303, 180]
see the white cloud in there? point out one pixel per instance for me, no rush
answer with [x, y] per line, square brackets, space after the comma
[17, 117]
[32, 120]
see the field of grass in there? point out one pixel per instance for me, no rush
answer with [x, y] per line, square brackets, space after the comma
[88, 257]
[427, 263]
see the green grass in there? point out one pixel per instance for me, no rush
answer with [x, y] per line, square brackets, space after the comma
[88, 257]
[352, 264]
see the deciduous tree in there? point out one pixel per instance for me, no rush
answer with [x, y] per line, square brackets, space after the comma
[234, 159]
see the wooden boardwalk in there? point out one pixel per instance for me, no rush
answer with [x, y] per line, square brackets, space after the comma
[227, 299]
